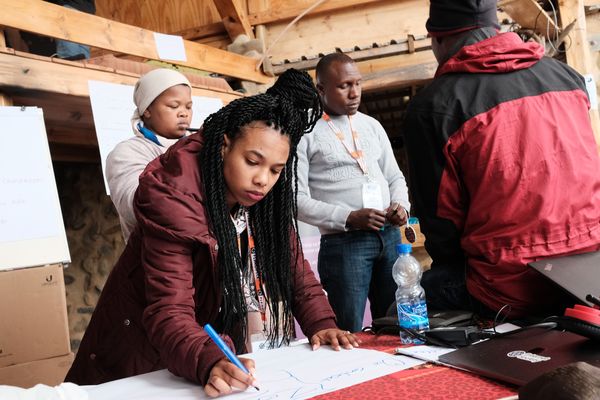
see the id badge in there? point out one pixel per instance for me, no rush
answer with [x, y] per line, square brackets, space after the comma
[371, 193]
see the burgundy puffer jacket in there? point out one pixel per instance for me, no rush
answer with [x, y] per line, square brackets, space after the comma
[165, 286]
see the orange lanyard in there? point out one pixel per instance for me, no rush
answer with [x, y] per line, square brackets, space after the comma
[356, 154]
[258, 288]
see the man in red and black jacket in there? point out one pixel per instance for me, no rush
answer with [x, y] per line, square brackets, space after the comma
[504, 167]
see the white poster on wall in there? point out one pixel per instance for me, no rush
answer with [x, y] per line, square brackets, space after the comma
[112, 108]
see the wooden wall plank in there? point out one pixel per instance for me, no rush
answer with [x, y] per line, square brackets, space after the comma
[62, 23]
[167, 16]
[283, 10]
[380, 22]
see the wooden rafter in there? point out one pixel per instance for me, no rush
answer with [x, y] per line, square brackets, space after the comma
[234, 18]
[62, 23]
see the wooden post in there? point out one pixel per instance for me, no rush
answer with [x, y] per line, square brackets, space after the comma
[5, 100]
[261, 34]
[578, 52]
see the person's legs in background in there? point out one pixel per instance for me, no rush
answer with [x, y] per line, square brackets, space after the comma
[345, 264]
[446, 289]
[382, 291]
[69, 50]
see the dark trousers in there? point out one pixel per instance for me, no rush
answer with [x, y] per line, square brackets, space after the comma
[446, 289]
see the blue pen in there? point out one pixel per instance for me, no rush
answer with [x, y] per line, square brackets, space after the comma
[225, 349]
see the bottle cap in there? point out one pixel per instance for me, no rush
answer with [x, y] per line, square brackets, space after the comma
[404, 248]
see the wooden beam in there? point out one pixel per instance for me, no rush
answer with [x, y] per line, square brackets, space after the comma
[24, 71]
[530, 15]
[409, 76]
[415, 69]
[279, 14]
[578, 52]
[62, 23]
[234, 18]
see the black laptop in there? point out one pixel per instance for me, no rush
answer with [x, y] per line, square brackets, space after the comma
[523, 356]
[578, 274]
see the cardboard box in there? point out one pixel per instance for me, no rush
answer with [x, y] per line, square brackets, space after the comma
[50, 371]
[33, 315]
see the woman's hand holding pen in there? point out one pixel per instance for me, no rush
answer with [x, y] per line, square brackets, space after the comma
[396, 214]
[337, 338]
[225, 376]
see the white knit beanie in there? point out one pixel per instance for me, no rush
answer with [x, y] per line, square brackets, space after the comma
[150, 86]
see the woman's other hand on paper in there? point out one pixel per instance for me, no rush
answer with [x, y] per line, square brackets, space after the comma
[337, 338]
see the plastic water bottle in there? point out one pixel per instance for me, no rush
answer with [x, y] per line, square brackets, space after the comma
[410, 296]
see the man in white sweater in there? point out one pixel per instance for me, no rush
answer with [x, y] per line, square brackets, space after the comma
[350, 187]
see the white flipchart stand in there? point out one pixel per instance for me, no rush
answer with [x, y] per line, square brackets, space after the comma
[32, 231]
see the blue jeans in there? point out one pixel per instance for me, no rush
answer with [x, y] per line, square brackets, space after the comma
[70, 50]
[357, 265]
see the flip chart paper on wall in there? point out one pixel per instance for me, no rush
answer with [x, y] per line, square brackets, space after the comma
[32, 231]
[112, 108]
[286, 373]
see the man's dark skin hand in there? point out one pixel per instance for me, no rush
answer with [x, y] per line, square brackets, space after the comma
[372, 219]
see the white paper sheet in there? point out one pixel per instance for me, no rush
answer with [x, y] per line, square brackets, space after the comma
[287, 373]
[112, 108]
[590, 85]
[425, 353]
[169, 47]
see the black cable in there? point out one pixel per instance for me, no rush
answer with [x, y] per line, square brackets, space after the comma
[496, 323]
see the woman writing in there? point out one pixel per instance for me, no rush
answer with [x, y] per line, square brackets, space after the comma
[215, 243]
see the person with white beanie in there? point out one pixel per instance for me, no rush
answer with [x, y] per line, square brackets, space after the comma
[163, 100]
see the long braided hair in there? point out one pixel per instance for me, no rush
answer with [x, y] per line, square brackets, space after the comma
[291, 106]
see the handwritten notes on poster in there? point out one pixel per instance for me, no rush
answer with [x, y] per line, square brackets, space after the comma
[293, 373]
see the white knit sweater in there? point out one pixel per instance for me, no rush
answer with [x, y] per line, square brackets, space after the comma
[124, 165]
[330, 180]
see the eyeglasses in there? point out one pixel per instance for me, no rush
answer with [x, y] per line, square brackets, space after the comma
[409, 232]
